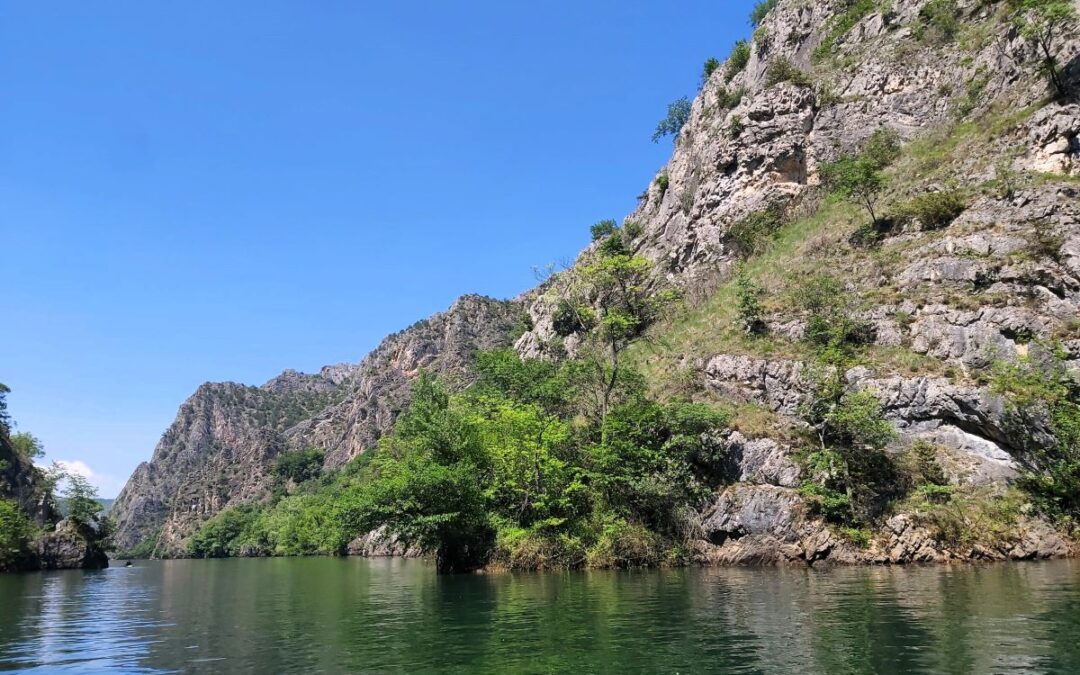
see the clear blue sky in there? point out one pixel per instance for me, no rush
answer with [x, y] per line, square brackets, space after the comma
[218, 191]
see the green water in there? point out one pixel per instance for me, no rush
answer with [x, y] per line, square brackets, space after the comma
[335, 615]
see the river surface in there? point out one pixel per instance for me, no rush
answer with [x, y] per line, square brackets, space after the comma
[356, 615]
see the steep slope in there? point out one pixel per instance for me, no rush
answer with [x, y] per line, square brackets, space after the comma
[220, 449]
[942, 302]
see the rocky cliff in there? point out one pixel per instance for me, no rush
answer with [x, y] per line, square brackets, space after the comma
[221, 448]
[959, 86]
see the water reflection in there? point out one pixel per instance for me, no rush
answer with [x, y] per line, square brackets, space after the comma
[333, 615]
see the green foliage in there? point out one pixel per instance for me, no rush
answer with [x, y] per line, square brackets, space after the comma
[5, 418]
[832, 325]
[855, 12]
[882, 147]
[603, 229]
[513, 472]
[655, 459]
[28, 446]
[752, 234]
[82, 501]
[783, 70]
[299, 465]
[850, 479]
[926, 468]
[1044, 22]
[632, 229]
[972, 94]
[750, 314]
[15, 533]
[858, 179]
[761, 10]
[934, 210]
[711, 64]
[662, 182]
[737, 60]
[938, 21]
[677, 115]
[1044, 407]
[735, 128]
[225, 534]
[729, 98]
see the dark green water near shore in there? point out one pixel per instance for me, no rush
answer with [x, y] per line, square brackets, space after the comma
[355, 615]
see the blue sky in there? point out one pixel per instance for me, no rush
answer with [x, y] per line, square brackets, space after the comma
[219, 191]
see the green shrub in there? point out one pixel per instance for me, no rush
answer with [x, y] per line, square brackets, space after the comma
[225, 533]
[677, 115]
[750, 312]
[925, 466]
[603, 229]
[783, 70]
[761, 10]
[632, 229]
[858, 179]
[934, 210]
[728, 99]
[840, 25]
[736, 126]
[882, 147]
[737, 60]
[299, 465]
[15, 533]
[662, 182]
[751, 235]
[711, 64]
[1043, 399]
[938, 21]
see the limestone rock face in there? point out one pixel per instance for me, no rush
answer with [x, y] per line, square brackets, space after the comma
[22, 483]
[221, 448]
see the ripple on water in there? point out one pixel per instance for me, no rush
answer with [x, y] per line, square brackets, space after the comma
[333, 615]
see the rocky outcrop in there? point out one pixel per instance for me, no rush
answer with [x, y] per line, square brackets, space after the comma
[22, 482]
[221, 448]
[766, 150]
[382, 544]
[66, 547]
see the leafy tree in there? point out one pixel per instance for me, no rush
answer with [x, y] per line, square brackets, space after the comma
[429, 482]
[677, 115]
[82, 501]
[611, 302]
[655, 459]
[603, 229]
[299, 465]
[856, 178]
[221, 536]
[15, 532]
[1044, 411]
[535, 478]
[27, 445]
[1043, 22]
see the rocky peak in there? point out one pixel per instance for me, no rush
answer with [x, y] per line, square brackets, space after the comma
[221, 448]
